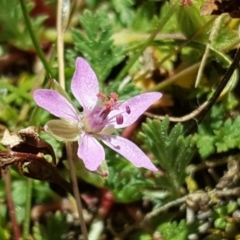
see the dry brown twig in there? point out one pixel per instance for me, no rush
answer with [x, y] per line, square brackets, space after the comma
[184, 118]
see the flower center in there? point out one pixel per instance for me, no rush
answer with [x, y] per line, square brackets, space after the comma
[95, 120]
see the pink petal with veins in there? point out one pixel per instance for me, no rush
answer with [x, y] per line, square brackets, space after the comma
[84, 84]
[91, 152]
[55, 103]
[136, 106]
[129, 150]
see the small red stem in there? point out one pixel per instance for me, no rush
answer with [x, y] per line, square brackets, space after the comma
[107, 201]
[12, 212]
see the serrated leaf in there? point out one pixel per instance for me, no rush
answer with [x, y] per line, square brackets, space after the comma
[54, 229]
[171, 149]
[37, 232]
[216, 135]
[96, 44]
[206, 146]
[125, 181]
[174, 231]
[125, 11]
[143, 19]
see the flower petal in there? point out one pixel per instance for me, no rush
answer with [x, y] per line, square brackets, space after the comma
[55, 103]
[137, 105]
[85, 84]
[63, 130]
[91, 152]
[129, 150]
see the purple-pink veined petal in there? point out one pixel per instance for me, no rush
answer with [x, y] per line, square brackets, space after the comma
[129, 150]
[137, 106]
[55, 103]
[91, 152]
[85, 84]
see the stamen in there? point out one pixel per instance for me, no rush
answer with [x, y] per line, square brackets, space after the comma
[114, 96]
[119, 119]
[128, 110]
[102, 96]
[108, 105]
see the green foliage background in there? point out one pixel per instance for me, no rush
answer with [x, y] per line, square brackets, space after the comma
[116, 38]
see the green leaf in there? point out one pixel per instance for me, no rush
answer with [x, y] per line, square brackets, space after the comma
[124, 10]
[171, 149]
[42, 193]
[19, 195]
[125, 181]
[12, 24]
[190, 21]
[143, 19]
[226, 36]
[96, 44]
[3, 234]
[175, 231]
[54, 229]
[217, 134]
[19, 192]
[206, 145]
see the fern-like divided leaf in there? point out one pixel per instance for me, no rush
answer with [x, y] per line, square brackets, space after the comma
[176, 231]
[12, 24]
[172, 150]
[95, 43]
[56, 228]
[125, 181]
[124, 10]
[216, 135]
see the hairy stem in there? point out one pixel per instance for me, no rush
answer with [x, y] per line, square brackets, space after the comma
[62, 10]
[76, 190]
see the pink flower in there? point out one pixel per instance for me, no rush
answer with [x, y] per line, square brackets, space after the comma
[100, 117]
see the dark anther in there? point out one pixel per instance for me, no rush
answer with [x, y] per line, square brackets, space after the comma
[128, 110]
